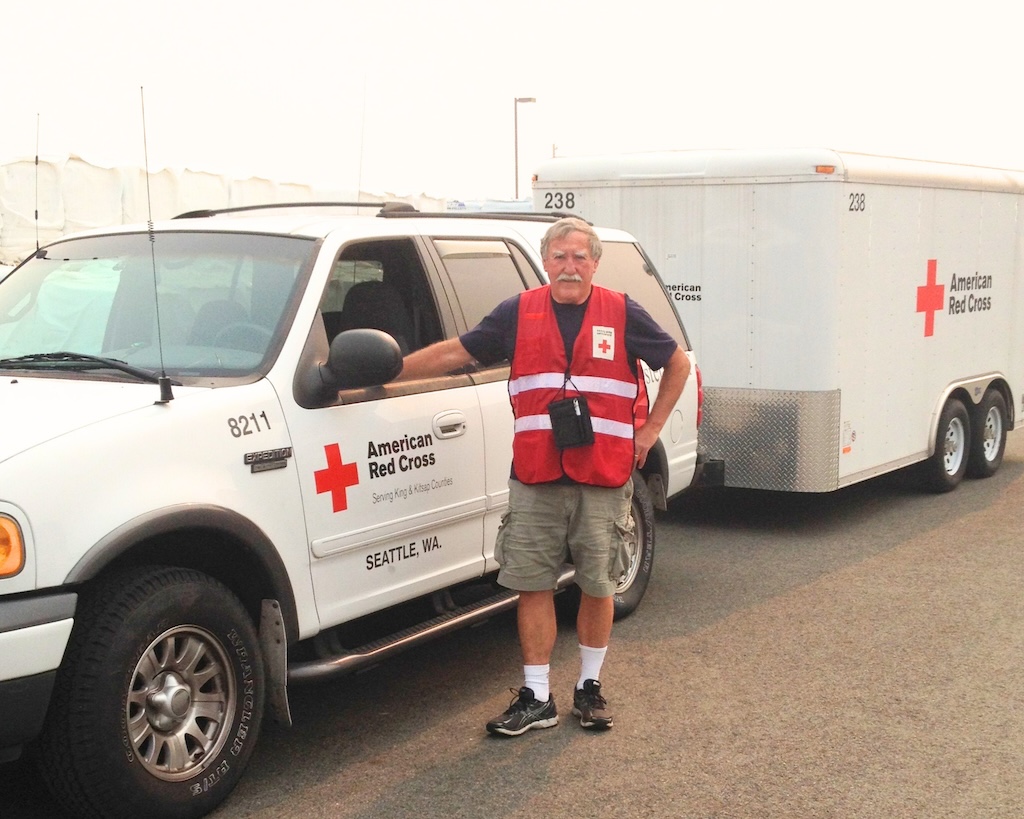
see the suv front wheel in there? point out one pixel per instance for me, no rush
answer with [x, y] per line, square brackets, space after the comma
[158, 703]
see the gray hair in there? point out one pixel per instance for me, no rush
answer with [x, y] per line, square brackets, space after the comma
[571, 224]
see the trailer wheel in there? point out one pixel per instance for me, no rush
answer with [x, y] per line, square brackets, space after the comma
[988, 435]
[158, 702]
[947, 466]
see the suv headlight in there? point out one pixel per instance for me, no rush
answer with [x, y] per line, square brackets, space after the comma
[12, 548]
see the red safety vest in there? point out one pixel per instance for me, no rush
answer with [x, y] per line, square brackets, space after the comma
[600, 369]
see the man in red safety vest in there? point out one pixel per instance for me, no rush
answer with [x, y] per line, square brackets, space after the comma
[582, 425]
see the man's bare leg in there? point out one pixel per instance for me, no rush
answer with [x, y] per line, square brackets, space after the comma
[538, 627]
[594, 620]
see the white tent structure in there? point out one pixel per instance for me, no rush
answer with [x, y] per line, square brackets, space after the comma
[71, 194]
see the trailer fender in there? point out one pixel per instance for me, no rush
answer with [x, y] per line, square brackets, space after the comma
[971, 391]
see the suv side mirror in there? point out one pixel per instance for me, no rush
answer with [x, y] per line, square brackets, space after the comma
[361, 358]
[357, 359]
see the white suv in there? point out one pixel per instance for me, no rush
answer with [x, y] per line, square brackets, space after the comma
[207, 484]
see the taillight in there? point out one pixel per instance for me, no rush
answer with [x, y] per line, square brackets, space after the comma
[700, 396]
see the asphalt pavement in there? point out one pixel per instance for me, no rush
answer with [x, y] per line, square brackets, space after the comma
[852, 654]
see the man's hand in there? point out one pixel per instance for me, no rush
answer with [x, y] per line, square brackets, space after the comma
[643, 441]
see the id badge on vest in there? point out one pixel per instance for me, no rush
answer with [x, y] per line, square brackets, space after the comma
[604, 343]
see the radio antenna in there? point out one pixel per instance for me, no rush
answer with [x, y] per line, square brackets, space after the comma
[164, 382]
[37, 182]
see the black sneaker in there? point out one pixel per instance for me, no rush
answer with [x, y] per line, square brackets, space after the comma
[591, 707]
[524, 712]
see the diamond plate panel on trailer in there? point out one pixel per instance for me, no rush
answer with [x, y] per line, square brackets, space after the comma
[769, 439]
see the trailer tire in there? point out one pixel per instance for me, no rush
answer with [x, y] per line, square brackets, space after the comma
[633, 585]
[988, 435]
[944, 470]
[159, 701]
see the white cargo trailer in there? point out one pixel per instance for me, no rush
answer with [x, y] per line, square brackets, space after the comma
[853, 314]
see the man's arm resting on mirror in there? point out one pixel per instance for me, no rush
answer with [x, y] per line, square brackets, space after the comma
[437, 359]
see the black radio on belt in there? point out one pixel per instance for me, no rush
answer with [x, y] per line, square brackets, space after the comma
[570, 422]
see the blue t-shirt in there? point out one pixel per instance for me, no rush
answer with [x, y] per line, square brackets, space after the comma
[494, 338]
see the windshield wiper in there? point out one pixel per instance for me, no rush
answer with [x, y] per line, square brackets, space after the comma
[81, 361]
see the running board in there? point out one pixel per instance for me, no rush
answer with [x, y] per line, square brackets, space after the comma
[385, 647]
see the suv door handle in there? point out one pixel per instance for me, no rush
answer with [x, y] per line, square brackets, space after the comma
[449, 424]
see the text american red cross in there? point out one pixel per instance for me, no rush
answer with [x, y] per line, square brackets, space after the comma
[930, 298]
[336, 478]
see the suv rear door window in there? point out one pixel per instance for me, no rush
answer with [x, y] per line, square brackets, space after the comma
[483, 273]
[623, 267]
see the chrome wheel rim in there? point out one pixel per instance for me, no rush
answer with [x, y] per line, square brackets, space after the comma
[633, 548]
[181, 700]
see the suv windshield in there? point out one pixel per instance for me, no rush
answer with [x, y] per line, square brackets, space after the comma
[195, 304]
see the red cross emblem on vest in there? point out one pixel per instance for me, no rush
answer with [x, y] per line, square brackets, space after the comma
[604, 343]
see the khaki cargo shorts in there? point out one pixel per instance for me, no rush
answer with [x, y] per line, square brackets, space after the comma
[545, 523]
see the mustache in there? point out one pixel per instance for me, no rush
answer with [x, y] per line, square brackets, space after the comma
[569, 277]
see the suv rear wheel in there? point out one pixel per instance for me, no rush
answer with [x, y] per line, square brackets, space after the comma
[633, 585]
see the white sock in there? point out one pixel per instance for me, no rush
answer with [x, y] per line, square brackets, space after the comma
[536, 678]
[591, 660]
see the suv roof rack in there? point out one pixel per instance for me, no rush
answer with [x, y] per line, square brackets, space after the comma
[476, 214]
[206, 212]
[387, 209]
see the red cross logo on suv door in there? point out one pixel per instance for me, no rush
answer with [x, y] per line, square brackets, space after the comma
[336, 478]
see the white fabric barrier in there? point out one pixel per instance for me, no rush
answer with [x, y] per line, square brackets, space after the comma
[74, 195]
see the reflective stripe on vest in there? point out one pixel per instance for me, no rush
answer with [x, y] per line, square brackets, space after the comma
[600, 425]
[583, 383]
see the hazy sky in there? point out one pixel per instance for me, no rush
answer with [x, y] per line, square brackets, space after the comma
[410, 97]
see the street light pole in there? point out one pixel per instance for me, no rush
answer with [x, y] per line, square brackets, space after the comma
[515, 119]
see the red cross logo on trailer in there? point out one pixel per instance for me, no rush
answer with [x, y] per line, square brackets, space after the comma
[336, 478]
[930, 298]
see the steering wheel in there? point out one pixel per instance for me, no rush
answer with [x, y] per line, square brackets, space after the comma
[244, 335]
